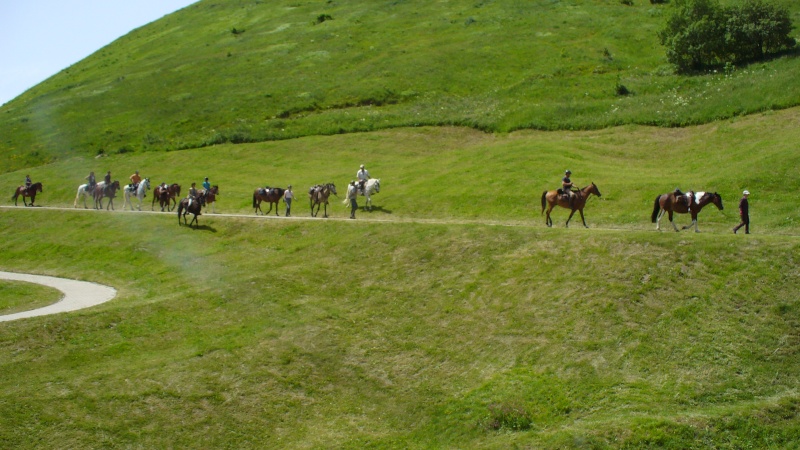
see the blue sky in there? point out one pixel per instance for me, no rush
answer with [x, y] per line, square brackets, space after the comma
[39, 38]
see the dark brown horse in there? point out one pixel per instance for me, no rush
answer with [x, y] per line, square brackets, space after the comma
[27, 192]
[105, 191]
[166, 196]
[185, 208]
[671, 203]
[318, 195]
[211, 196]
[552, 198]
[269, 195]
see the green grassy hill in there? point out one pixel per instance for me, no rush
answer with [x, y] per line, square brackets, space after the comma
[449, 316]
[250, 71]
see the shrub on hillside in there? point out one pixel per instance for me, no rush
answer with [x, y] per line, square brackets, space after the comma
[702, 34]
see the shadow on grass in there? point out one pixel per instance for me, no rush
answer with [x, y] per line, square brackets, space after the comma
[376, 209]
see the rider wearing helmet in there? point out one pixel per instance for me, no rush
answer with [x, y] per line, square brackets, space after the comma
[566, 187]
[91, 182]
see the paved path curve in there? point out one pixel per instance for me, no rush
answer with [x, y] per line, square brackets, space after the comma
[77, 294]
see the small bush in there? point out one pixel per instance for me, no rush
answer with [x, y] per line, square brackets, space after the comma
[621, 90]
[322, 18]
[508, 416]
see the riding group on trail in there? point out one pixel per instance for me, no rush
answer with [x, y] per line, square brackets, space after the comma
[672, 202]
[168, 197]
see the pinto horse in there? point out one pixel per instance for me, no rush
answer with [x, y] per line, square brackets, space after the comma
[318, 195]
[139, 192]
[166, 196]
[101, 191]
[552, 198]
[27, 192]
[185, 208]
[671, 203]
[269, 195]
[211, 196]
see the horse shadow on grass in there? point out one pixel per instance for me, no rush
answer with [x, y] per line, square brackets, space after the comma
[204, 228]
[377, 209]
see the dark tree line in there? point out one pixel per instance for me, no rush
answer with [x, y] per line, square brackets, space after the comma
[703, 34]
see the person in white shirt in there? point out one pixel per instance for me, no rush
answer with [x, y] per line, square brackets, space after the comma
[288, 195]
[362, 176]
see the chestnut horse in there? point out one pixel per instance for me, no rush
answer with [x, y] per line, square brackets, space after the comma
[185, 208]
[552, 198]
[101, 191]
[166, 197]
[269, 195]
[670, 203]
[27, 192]
[211, 196]
[318, 195]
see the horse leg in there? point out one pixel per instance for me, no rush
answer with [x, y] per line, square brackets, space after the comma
[276, 208]
[658, 219]
[571, 213]
[582, 219]
[549, 221]
[673, 222]
[326, 211]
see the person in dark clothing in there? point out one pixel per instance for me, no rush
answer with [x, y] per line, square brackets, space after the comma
[744, 213]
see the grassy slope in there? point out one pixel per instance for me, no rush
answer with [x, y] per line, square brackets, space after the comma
[301, 334]
[187, 80]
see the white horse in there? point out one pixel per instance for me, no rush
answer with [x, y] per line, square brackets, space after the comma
[144, 185]
[372, 186]
[86, 193]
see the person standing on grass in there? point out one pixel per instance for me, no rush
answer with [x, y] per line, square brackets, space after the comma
[744, 213]
[288, 195]
[352, 195]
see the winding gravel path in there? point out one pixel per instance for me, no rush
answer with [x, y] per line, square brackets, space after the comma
[77, 294]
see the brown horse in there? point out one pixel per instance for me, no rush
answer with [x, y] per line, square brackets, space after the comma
[671, 203]
[27, 192]
[185, 208]
[166, 196]
[552, 198]
[269, 195]
[101, 191]
[211, 196]
[318, 195]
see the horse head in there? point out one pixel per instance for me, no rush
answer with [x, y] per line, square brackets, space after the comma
[332, 187]
[377, 185]
[717, 201]
[593, 190]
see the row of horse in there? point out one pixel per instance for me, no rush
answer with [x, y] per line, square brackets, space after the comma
[166, 195]
[670, 203]
[318, 196]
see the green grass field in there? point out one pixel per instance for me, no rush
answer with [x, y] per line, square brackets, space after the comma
[450, 316]
[17, 296]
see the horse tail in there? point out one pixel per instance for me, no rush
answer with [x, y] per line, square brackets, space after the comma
[656, 208]
[254, 200]
[544, 201]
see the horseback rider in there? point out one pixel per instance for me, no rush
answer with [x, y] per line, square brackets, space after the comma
[135, 180]
[91, 182]
[206, 185]
[362, 176]
[566, 187]
[28, 182]
[192, 194]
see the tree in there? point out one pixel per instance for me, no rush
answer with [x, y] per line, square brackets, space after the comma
[757, 29]
[702, 34]
[694, 35]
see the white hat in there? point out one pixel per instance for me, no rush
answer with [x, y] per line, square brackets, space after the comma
[746, 192]
[362, 166]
